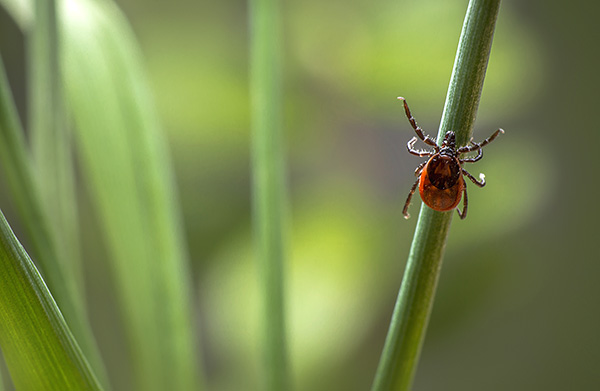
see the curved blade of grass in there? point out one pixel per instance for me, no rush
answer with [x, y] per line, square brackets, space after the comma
[39, 349]
[127, 170]
[53, 164]
[268, 186]
[411, 314]
[20, 179]
[50, 138]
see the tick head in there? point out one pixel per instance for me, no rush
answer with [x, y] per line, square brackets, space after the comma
[449, 140]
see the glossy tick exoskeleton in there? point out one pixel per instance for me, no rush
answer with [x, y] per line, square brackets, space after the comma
[440, 178]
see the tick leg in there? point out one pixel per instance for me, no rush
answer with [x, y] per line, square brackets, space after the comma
[476, 158]
[480, 182]
[426, 139]
[410, 194]
[419, 169]
[490, 139]
[410, 146]
[465, 205]
[477, 146]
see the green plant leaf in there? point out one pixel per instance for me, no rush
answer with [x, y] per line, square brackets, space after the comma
[127, 170]
[39, 349]
[52, 162]
[21, 182]
[50, 138]
[21, 11]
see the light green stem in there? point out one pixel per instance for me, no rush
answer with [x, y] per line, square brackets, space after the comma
[269, 185]
[405, 337]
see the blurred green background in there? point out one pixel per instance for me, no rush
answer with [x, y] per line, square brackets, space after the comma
[517, 305]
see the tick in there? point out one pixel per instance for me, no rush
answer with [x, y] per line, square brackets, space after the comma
[441, 178]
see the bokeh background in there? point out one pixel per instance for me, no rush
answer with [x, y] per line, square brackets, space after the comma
[518, 305]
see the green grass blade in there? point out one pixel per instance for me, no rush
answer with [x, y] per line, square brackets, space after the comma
[21, 182]
[21, 11]
[405, 337]
[268, 185]
[38, 347]
[50, 137]
[126, 167]
[54, 177]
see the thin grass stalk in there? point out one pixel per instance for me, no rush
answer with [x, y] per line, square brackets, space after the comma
[268, 185]
[405, 337]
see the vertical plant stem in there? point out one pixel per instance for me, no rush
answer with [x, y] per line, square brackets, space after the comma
[405, 337]
[268, 185]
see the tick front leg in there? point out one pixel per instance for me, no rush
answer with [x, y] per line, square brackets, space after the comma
[480, 145]
[465, 205]
[476, 158]
[426, 139]
[410, 146]
[491, 138]
[407, 204]
[479, 183]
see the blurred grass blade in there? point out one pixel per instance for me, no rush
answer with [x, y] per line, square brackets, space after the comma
[20, 179]
[21, 11]
[126, 167]
[51, 144]
[405, 337]
[54, 177]
[38, 347]
[268, 185]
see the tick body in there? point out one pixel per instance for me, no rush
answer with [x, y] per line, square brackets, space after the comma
[440, 184]
[441, 178]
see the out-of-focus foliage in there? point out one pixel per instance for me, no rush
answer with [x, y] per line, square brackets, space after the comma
[518, 285]
[127, 172]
